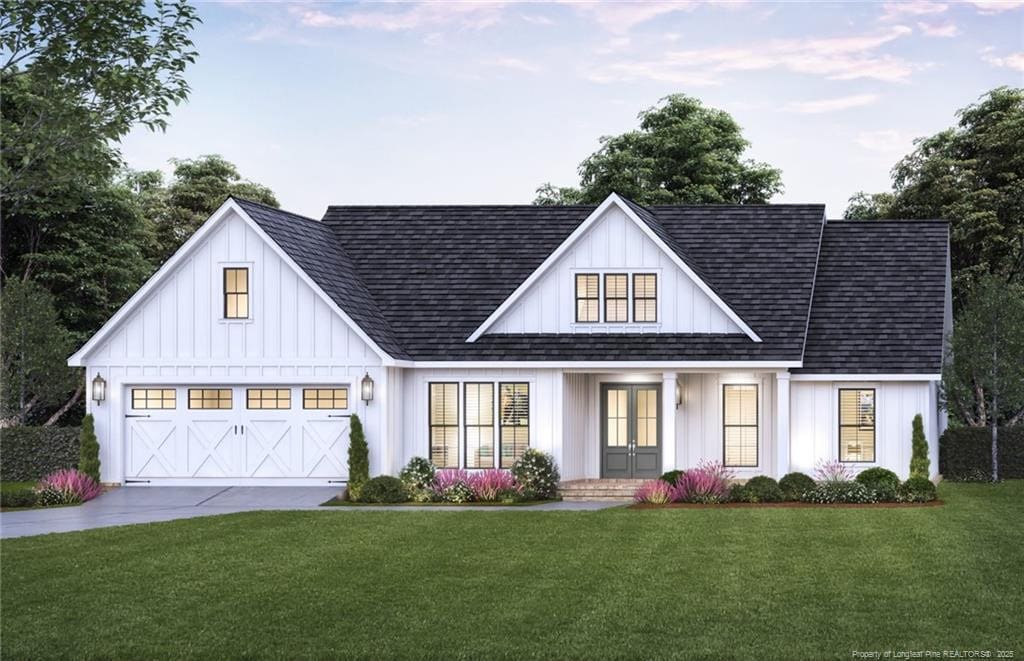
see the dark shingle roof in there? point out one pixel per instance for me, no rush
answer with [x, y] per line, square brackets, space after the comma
[315, 249]
[879, 298]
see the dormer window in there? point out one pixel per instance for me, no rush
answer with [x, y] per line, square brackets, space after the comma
[616, 298]
[236, 293]
[588, 307]
[645, 298]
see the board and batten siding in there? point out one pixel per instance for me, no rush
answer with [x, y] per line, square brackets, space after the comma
[814, 423]
[614, 244]
[177, 336]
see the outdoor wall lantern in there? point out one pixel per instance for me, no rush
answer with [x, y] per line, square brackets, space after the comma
[366, 388]
[99, 389]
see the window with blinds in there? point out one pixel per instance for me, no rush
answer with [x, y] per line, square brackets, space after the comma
[616, 297]
[645, 297]
[153, 398]
[268, 398]
[587, 298]
[856, 424]
[325, 398]
[514, 416]
[236, 293]
[479, 424]
[740, 425]
[444, 424]
[209, 398]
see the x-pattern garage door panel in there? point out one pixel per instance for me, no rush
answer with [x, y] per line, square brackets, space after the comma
[212, 449]
[324, 443]
[151, 448]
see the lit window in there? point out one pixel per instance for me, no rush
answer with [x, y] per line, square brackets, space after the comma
[268, 398]
[616, 298]
[325, 398]
[444, 425]
[740, 425]
[645, 297]
[209, 398]
[479, 415]
[236, 293]
[154, 398]
[587, 298]
[856, 424]
[514, 416]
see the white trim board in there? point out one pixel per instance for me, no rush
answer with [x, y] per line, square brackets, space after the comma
[578, 233]
[860, 378]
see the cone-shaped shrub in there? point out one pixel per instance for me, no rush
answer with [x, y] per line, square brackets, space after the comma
[920, 465]
[89, 449]
[358, 458]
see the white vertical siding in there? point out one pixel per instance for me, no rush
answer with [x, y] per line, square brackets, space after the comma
[577, 409]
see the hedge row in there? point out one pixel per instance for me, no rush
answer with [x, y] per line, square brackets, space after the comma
[966, 453]
[29, 453]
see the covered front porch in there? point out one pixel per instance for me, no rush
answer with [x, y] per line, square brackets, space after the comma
[632, 425]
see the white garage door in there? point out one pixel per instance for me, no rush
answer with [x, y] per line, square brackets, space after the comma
[236, 434]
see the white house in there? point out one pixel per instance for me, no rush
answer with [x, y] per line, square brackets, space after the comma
[623, 340]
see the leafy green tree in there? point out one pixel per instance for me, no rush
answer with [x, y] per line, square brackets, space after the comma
[358, 458]
[920, 465]
[683, 153]
[89, 449]
[972, 175]
[983, 376]
[34, 348]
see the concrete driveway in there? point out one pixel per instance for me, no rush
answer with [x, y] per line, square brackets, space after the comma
[123, 506]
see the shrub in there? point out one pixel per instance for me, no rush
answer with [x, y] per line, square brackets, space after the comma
[89, 449]
[736, 494]
[358, 458]
[66, 486]
[671, 477]
[795, 485]
[383, 489]
[966, 452]
[447, 477]
[28, 453]
[917, 490]
[832, 471]
[657, 492]
[512, 496]
[488, 484]
[920, 466]
[760, 489]
[708, 483]
[460, 492]
[836, 491]
[18, 497]
[537, 473]
[883, 482]
[418, 473]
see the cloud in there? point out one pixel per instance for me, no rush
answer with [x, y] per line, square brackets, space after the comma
[995, 6]
[516, 64]
[1013, 61]
[409, 121]
[886, 141]
[392, 17]
[835, 58]
[947, 29]
[898, 10]
[623, 16]
[536, 19]
[832, 105]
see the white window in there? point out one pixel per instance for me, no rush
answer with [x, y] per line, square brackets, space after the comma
[739, 418]
[236, 293]
[857, 424]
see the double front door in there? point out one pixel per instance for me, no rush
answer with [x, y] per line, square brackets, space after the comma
[630, 430]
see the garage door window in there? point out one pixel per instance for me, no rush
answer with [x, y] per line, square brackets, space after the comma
[153, 398]
[209, 398]
[325, 398]
[269, 398]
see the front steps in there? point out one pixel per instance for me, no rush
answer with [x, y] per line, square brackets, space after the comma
[598, 490]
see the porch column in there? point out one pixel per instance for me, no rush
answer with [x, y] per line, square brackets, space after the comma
[668, 422]
[781, 424]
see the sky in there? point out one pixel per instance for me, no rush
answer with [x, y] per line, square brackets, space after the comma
[473, 103]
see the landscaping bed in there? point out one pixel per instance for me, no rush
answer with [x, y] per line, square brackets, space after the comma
[786, 505]
[342, 502]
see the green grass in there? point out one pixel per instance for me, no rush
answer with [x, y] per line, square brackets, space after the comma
[714, 583]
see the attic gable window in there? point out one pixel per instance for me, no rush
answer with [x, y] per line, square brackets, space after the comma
[616, 298]
[587, 298]
[236, 293]
[645, 297]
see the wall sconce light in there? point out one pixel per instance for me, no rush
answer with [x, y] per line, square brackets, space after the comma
[99, 389]
[679, 395]
[366, 388]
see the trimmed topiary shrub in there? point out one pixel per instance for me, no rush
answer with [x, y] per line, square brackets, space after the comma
[920, 465]
[358, 458]
[839, 492]
[418, 473]
[917, 490]
[383, 489]
[671, 477]
[795, 485]
[760, 489]
[965, 453]
[29, 453]
[537, 473]
[883, 482]
[89, 449]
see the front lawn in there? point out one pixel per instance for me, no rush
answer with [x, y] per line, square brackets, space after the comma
[625, 583]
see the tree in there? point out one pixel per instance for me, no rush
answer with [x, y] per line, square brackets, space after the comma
[89, 449]
[683, 153]
[77, 76]
[972, 175]
[358, 458]
[920, 466]
[983, 376]
[34, 348]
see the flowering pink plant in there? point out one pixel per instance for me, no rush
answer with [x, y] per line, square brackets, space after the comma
[67, 486]
[487, 485]
[707, 483]
[449, 477]
[832, 471]
[657, 492]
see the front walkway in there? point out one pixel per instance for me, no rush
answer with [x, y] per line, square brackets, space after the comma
[126, 506]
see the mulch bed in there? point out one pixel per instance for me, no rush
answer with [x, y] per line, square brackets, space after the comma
[701, 506]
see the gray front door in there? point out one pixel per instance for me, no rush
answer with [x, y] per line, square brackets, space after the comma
[630, 430]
